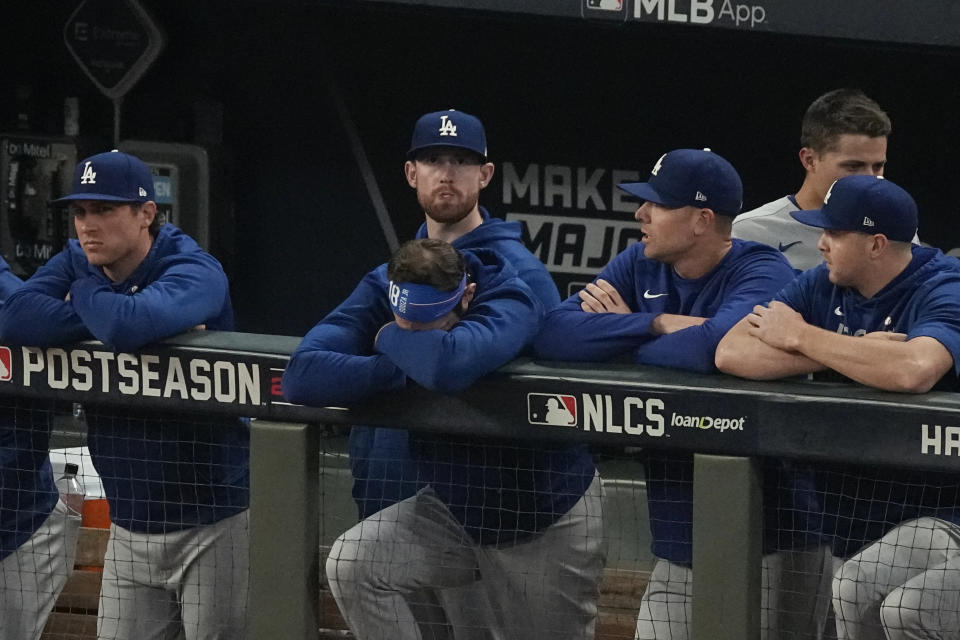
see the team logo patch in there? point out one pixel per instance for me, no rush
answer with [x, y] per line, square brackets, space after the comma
[552, 409]
[447, 128]
[6, 364]
[89, 175]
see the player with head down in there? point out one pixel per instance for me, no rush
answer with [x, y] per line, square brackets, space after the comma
[525, 518]
[448, 166]
[667, 301]
[37, 533]
[886, 314]
[177, 561]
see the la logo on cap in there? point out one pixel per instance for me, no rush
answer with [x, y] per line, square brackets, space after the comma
[89, 175]
[656, 167]
[826, 198]
[447, 128]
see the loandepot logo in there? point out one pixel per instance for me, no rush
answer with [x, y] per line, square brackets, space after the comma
[707, 422]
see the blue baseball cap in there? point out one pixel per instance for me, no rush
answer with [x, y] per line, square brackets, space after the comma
[869, 204]
[691, 177]
[112, 176]
[449, 128]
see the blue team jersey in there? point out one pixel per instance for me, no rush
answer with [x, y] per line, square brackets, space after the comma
[749, 274]
[863, 503]
[380, 460]
[160, 472]
[27, 491]
[499, 490]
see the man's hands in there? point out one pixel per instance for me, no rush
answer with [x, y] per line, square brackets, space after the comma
[777, 325]
[601, 297]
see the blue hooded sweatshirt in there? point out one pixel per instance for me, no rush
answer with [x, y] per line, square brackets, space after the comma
[380, 460]
[27, 491]
[750, 273]
[499, 490]
[160, 472]
[862, 503]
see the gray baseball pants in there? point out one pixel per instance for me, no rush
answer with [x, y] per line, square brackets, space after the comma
[794, 598]
[32, 577]
[385, 571]
[189, 584]
[904, 586]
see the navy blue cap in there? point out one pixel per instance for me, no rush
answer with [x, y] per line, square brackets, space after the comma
[113, 176]
[868, 204]
[691, 177]
[450, 128]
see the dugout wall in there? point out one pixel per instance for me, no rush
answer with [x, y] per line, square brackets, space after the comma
[287, 96]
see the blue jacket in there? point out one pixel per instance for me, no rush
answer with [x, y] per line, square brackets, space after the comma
[27, 491]
[380, 459]
[160, 472]
[749, 274]
[862, 503]
[498, 490]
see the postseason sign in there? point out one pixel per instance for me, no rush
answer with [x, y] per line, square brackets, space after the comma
[177, 379]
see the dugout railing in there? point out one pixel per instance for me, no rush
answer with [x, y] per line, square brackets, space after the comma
[727, 423]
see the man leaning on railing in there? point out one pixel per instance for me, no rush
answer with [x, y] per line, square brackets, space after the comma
[886, 314]
[523, 517]
[176, 564]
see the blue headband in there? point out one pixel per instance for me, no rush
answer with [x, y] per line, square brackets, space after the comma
[422, 302]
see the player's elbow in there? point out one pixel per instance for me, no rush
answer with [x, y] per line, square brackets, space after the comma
[299, 387]
[728, 359]
[447, 378]
[914, 376]
[121, 338]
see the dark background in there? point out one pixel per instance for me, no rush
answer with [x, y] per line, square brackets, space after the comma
[254, 83]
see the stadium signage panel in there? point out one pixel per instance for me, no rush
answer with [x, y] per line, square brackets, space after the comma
[220, 378]
[625, 414]
[574, 219]
[939, 440]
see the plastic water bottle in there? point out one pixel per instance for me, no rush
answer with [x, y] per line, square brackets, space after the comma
[71, 490]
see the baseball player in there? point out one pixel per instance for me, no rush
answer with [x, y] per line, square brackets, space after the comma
[526, 518]
[886, 314]
[667, 301]
[843, 133]
[176, 563]
[38, 535]
[447, 165]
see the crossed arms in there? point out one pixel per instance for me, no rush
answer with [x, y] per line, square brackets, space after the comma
[775, 341]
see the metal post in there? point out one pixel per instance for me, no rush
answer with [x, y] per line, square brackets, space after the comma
[284, 531]
[727, 531]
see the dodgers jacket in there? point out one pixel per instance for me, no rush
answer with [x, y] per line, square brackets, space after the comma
[160, 472]
[27, 491]
[749, 274]
[499, 490]
[380, 458]
[862, 503]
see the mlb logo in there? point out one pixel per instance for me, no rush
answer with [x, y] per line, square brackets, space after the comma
[552, 409]
[605, 5]
[6, 364]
